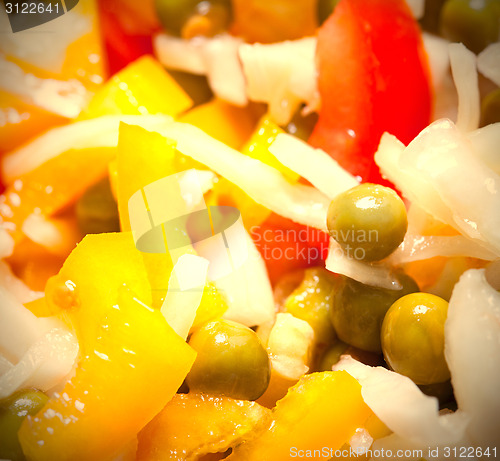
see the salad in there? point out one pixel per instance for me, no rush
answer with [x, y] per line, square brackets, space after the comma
[247, 230]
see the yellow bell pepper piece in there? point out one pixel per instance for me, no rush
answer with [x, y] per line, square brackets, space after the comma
[228, 194]
[321, 410]
[142, 158]
[136, 366]
[143, 87]
[193, 425]
[227, 123]
[88, 283]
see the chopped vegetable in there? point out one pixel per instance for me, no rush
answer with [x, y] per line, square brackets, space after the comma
[368, 221]
[231, 361]
[133, 344]
[312, 301]
[13, 410]
[358, 310]
[367, 87]
[176, 433]
[322, 409]
[412, 338]
[471, 350]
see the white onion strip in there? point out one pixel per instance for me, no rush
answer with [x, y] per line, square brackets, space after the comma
[463, 69]
[216, 57]
[419, 247]
[185, 290]
[403, 408]
[472, 351]
[97, 132]
[315, 165]
[266, 185]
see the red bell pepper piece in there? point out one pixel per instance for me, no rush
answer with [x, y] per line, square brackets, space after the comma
[286, 246]
[123, 44]
[373, 77]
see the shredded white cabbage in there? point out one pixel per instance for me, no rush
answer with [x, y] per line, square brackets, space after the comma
[485, 142]
[246, 304]
[65, 98]
[15, 286]
[216, 57]
[472, 350]
[281, 74]
[412, 416]
[464, 71]
[488, 62]
[45, 364]
[97, 132]
[439, 172]
[181, 301]
[379, 274]
[418, 247]
[315, 165]
[267, 186]
[40, 357]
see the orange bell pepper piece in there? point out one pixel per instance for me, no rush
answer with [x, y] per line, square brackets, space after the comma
[321, 410]
[176, 433]
[51, 186]
[21, 121]
[135, 367]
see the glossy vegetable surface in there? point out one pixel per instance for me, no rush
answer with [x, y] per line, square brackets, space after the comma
[231, 361]
[358, 311]
[366, 86]
[369, 221]
[413, 338]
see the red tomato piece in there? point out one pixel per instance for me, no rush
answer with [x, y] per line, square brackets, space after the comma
[373, 77]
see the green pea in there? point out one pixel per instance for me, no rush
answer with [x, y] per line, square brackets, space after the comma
[97, 211]
[490, 108]
[368, 221]
[188, 18]
[358, 310]
[311, 301]
[13, 410]
[413, 338]
[474, 23]
[231, 361]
